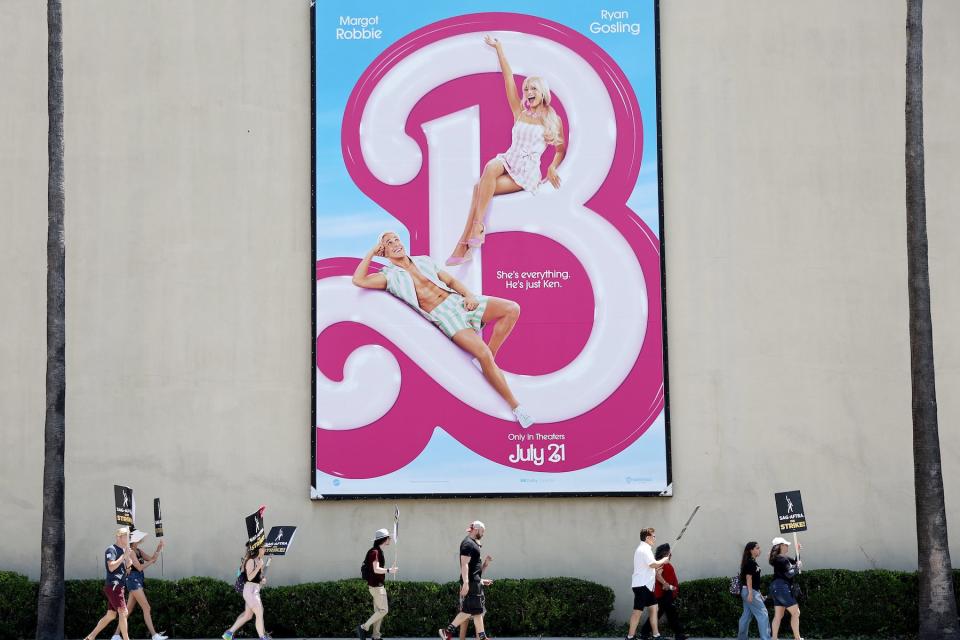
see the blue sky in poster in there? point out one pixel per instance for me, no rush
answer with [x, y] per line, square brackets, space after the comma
[346, 219]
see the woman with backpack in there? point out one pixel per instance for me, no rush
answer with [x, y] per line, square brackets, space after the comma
[753, 606]
[374, 571]
[782, 587]
[252, 577]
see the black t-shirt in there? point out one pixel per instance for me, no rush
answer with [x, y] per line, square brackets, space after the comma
[784, 568]
[375, 555]
[750, 568]
[470, 547]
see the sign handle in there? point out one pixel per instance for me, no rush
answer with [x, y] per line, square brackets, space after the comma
[797, 547]
[396, 554]
[396, 537]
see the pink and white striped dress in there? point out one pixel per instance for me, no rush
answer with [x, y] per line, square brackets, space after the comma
[522, 159]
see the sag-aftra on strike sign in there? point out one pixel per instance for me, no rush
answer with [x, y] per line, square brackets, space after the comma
[790, 514]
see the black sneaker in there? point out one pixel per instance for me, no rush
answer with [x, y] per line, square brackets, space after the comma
[361, 632]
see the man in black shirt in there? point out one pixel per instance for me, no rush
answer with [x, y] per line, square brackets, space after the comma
[472, 583]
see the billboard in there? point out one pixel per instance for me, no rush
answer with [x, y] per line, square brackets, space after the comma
[488, 285]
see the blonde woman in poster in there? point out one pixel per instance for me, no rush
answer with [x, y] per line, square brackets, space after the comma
[535, 126]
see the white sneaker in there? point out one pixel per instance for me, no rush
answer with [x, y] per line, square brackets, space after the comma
[159, 636]
[522, 417]
[116, 636]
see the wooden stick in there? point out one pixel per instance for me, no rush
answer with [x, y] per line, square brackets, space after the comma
[797, 547]
[682, 531]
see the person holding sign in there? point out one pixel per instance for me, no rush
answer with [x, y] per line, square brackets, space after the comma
[753, 606]
[644, 575]
[137, 595]
[116, 562]
[374, 571]
[253, 572]
[784, 570]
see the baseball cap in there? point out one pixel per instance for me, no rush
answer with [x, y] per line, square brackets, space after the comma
[779, 540]
[138, 535]
[379, 534]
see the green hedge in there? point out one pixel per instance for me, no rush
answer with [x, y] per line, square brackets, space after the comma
[839, 603]
[204, 607]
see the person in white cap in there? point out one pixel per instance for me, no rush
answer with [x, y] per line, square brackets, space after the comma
[116, 562]
[472, 604]
[135, 591]
[781, 589]
[374, 571]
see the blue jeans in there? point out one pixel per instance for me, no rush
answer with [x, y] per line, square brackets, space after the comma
[754, 609]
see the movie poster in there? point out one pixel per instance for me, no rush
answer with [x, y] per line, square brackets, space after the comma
[488, 309]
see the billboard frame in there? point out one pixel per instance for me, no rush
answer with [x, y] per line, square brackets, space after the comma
[317, 496]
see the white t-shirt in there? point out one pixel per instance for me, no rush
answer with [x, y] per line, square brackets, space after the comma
[643, 574]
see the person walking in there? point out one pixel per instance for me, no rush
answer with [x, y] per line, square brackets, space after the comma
[116, 562]
[140, 560]
[375, 571]
[753, 606]
[472, 604]
[784, 570]
[253, 571]
[666, 591]
[644, 575]
[466, 623]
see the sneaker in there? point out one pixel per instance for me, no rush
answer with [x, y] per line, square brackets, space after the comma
[227, 635]
[522, 417]
[159, 636]
[361, 632]
[116, 636]
[445, 634]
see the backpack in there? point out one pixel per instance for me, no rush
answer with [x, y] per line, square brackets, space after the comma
[241, 577]
[735, 585]
[366, 571]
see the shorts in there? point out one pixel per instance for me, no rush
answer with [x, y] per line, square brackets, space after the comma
[134, 581]
[116, 598]
[474, 602]
[450, 316]
[643, 598]
[781, 593]
[251, 596]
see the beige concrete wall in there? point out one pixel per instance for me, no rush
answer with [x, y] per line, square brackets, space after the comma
[188, 240]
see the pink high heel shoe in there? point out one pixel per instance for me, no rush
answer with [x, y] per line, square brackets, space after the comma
[477, 241]
[456, 261]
